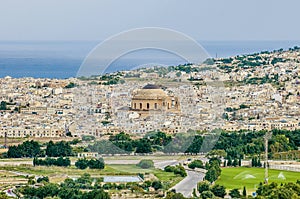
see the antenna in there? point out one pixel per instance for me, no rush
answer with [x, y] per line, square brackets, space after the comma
[267, 137]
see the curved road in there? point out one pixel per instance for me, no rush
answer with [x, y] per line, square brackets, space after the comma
[187, 185]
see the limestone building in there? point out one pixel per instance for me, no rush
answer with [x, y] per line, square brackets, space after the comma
[153, 98]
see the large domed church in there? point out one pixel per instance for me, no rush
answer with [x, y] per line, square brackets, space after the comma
[153, 98]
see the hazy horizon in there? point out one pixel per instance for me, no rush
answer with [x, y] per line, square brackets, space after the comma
[95, 20]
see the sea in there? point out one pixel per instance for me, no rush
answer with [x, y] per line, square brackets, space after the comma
[62, 59]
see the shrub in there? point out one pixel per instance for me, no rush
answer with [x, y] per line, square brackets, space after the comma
[156, 185]
[196, 164]
[42, 179]
[145, 164]
[178, 169]
[207, 195]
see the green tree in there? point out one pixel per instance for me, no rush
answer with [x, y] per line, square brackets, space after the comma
[3, 106]
[254, 162]
[26, 149]
[70, 85]
[31, 180]
[85, 179]
[244, 192]
[172, 195]
[235, 193]
[203, 186]
[224, 163]
[178, 74]
[235, 162]
[96, 163]
[207, 195]
[42, 179]
[82, 163]
[240, 162]
[196, 164]
[143, 146]
[229, 161]
[218, 153]
[156, 185]
[58, 149]
[211, 175]
[3, 195]
[218, 190]
[259, 163]
[95, 194]
[195, 146]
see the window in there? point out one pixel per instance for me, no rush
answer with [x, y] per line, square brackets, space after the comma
[134, 106]
[148, 105]
[155, 105]
[141, 106]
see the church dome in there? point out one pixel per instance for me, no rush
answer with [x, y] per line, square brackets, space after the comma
[151, 86]
[150, 91]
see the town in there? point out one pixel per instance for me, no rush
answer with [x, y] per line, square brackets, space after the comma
[170, 132]
[250, 92]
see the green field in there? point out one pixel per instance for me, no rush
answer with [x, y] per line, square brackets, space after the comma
[251, 177]
[58, 174]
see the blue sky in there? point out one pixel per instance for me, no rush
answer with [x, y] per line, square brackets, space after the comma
[99, 19]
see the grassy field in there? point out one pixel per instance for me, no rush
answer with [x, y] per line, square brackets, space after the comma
[58, 174]
[251, 177]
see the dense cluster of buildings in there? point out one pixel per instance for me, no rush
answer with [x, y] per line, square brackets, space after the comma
[224, 95]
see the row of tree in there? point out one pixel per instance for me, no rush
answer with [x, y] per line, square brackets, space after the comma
[26, 149]
[213, 170]
[235, 162]
[272, 190]
[61, 162]
[238, 144]
[255, 162]
[153, 141]
[58, 149]
[92, 163]
[234, 144]
[33, 149]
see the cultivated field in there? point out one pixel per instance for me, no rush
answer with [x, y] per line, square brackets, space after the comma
[59, 174]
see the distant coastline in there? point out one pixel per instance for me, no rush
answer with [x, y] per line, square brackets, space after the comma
[62, 59]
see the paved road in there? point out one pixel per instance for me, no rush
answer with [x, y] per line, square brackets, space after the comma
[187, 185]
[162, 164]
